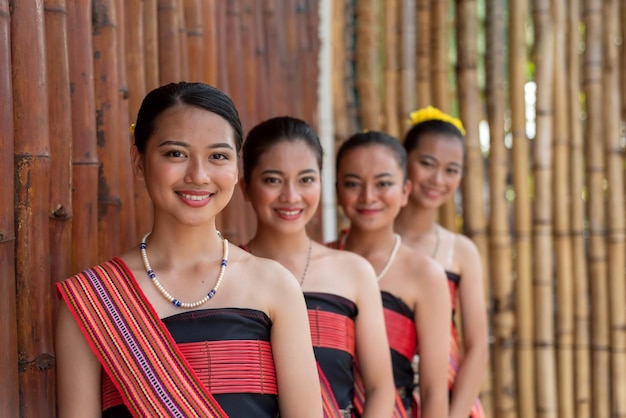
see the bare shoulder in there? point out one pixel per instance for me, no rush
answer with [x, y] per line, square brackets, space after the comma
[263, 270]
[430, 271]
[348, 261]
[465, 247]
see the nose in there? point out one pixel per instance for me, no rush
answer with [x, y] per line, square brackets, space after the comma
[196, 172]
[367, 194]
[289, 193]
[436, 177]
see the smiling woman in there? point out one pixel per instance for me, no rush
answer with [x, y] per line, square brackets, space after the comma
[282, 164]
[185, 324]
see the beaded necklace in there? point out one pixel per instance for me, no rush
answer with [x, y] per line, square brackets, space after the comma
[392, 257]
[166, 294]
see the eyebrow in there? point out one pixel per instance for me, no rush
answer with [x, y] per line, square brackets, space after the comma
[377, 176]
[278, 172]
[186, 145]
[434, 159]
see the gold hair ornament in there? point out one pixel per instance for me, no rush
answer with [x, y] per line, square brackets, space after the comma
[432, 113]
[131, 128]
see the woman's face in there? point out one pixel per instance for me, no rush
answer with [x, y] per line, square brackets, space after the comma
[189, 166]
[435, 167]
[371, 187]
[285, 187]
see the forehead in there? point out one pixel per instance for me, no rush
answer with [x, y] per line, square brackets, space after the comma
[371, 159]
[440, 144]
[287, 154]
[185, 122]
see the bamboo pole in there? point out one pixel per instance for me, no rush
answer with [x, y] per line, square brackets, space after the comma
[350, 68]
[543, 285]
[391, 68]
[581, 286]
[499, 240]
[561, 215]
[128, 229]
[367, 62]
[9, 380]
[440, 85]
[475, 224]
[616, 248]
[339, 63]
[60, 124]
[263, 105]
[136, 81]
[521, 209]
[290, 65]
[596, 253]
[408, 55]
[151, 44]
[84, 148]
[32, 194]
[169, 52]
[423, 53]
[222, 69]
[622, 19]
[236, 90]
[209, 40]
[275, 34]
[183, 50]
[107, 125]
[249, 60]
[307, 59]
[195, 36]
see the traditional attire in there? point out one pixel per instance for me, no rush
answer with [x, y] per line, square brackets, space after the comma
[455, 349]
[331, 319]
[205, 363]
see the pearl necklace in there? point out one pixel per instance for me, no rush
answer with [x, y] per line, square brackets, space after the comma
[392, 256]
[166, 294]
[308, 261]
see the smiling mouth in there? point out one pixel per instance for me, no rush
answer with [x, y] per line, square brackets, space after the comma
[195, 197]
[288, 212]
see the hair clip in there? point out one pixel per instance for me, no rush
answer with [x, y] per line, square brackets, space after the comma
[432, 113]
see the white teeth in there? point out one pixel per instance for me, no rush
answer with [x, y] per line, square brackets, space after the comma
[288, 212]
[195, 197]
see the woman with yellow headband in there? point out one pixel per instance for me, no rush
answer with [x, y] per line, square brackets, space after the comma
[435, 148]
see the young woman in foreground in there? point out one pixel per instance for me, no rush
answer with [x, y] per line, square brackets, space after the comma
[372, 187]
[185, 324]
[435, 153]
[282, 163]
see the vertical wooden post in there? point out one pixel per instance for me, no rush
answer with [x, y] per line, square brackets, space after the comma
[500, 260]
[440, 86]
[424, 53]
[85, 251]
[170, 65]
[9, 382]
[128, 230]
[60, 124]
[209, 41]
[596, 245]
[616, 234]
[151, 44]
[391, 68]
[134, 15]
[547, 405]
[561, 220]
[522, 209]
[368, 63]
[32, 194]
[107, 97]
[581, 284]
[195, 35]
[407, 63]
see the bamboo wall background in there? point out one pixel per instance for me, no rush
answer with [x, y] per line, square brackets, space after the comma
[546, 209]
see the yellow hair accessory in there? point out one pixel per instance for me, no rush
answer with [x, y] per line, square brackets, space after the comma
[131, 128]
[432, 113]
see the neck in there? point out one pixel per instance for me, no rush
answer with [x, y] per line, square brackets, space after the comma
[184, 245]
[415, 220]
[288, 249]
[366, 242]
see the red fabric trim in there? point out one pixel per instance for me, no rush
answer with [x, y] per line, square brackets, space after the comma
[332, 330]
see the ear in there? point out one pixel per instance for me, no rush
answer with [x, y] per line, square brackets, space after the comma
[406, 192]
[137, 162]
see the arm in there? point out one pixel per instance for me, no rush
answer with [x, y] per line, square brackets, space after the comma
[78, 371]
[475, 334]
[296, 371]
[372, 347]
[432, 320]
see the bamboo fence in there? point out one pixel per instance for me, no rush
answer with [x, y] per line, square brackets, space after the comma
[543, 195]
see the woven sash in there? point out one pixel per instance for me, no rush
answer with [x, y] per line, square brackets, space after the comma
[330, 330]
[133, 345]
